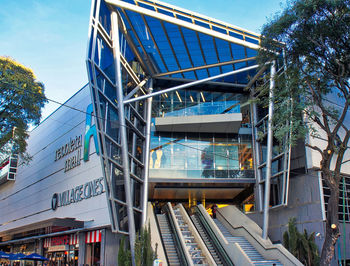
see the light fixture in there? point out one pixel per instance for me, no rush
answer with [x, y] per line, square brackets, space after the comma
[178, 96]
[191, 98]
[202, 97]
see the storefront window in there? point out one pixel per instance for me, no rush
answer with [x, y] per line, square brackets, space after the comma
[93, 254]
[62, 250]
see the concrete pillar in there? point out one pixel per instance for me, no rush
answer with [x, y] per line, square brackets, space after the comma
[40, 250]
[111, 247]
[82, 248]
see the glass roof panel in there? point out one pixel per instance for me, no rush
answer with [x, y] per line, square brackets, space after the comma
[223, 50]
[177, 76]
[165, 12]
[162, 43]
[236, 35]
[240, 65]
[214, 71]
[237, 51]
[207, 43]
[251, 40]
[184, 18]
[178, 45]
[202, 24]
[219, 29]
[202, 73]
[172, 47]
[189, 75]
[193, 46]
[227, 68]
[202, 21]
[149, 7]
[145, 39]
[251, 52]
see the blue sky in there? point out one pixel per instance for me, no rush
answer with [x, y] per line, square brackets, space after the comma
[51, 36]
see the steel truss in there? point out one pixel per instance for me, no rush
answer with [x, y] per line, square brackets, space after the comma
[124, 119]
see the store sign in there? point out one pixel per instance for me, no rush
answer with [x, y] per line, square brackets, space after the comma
[58, 248]
[60, 240]
[72, 149]
[89, 189]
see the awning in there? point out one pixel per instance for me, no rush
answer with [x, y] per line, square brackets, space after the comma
[93, 236]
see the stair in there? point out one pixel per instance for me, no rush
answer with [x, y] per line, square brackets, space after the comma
[207, 241]
[168, 240]
[248, 248]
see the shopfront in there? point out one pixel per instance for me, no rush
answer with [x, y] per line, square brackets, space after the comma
[62, 250]
[93, 248]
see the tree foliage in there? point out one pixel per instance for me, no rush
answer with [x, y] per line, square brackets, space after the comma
[21, 100]
[302, 246]
[313, 90]
[144, 253]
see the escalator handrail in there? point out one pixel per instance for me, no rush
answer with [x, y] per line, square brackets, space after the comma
[161, 238]
[222, 252]
[180, 243]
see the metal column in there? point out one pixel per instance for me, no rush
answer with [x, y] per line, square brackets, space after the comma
[123, 135]
[146, 161]
[257, 159]
[269, 152]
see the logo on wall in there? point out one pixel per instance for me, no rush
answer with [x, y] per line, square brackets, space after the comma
[90, 131]
[54, 201]
[89, 189]
[72, 148]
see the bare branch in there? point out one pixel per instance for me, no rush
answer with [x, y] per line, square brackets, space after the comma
[314, 148]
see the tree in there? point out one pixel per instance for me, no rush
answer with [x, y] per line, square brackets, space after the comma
[144, 254]
[302, 246]
[21, 100]
[313, 93]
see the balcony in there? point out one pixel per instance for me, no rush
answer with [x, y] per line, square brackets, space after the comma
[8, 169]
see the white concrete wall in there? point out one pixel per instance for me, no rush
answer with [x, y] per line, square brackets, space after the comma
[28, 199]
[314, 157]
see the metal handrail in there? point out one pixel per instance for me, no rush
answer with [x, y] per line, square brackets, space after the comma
[160, 232]
[178, 245]
[221, 251]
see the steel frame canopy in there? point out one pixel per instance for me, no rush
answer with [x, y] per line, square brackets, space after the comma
[166, 42]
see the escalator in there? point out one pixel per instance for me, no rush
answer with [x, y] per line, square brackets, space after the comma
[181, 241]
[201, 240]
[168, 240]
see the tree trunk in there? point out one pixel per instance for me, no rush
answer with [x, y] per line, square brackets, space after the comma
[332, 234]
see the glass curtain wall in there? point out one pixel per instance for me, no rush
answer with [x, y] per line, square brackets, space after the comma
[104, 87]
[200, 155]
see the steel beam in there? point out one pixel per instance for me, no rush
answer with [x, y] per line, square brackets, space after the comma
[269, 152]
[123, 134]
[190, 84]
[232, 62]
[182, 23]
[139, 86]
[147, 155]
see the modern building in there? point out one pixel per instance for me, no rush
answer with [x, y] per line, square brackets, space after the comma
[167, 116]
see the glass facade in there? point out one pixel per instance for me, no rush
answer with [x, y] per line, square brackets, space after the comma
[139, 49]
[200, 155]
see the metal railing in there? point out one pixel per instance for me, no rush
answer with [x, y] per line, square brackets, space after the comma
[221, 251]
